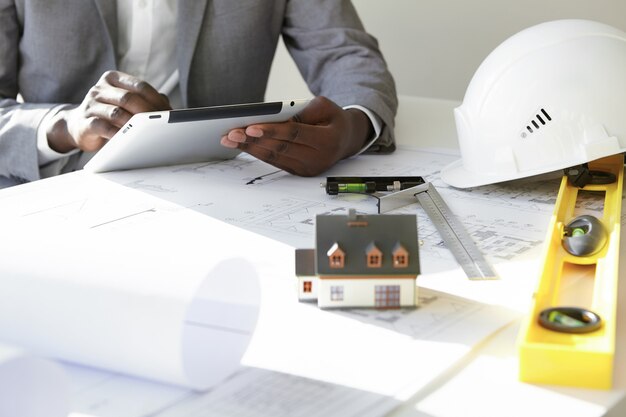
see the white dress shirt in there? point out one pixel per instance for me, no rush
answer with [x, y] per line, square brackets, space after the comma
[146, 49]
[146, 46]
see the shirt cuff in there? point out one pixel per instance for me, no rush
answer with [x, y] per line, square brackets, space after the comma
[376, 124]
[45, 154]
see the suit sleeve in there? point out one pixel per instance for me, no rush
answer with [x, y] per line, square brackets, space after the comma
[339, 60]
[18, 121]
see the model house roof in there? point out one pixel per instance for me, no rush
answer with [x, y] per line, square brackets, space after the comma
[356, 235]
[305, 262]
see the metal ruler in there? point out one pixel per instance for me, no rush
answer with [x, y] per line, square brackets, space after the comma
[454, 235]
[406, 190]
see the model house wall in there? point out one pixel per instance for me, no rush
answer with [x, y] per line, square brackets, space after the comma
[367, 292]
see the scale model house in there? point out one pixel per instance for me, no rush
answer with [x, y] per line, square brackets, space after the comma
[361, 261]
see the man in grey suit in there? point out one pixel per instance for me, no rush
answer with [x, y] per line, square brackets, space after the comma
[82, 70]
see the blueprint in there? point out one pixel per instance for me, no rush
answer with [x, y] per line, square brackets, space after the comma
[359, 361]
[506, 221]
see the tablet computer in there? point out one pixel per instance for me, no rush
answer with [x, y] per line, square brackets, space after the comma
[184, 136]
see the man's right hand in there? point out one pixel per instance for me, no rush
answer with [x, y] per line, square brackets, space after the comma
[105, 109]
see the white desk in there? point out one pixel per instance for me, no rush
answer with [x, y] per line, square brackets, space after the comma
[479, 379]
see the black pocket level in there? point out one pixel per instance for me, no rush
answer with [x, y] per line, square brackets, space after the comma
[369, 185]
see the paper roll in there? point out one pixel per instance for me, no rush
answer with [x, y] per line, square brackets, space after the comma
[165, 304]
[220, 322]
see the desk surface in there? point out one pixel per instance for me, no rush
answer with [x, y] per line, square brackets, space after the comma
[479, 378]
[486, 383]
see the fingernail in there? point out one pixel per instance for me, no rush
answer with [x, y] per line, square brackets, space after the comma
[227, 143]
[237, 136]
[254, 132]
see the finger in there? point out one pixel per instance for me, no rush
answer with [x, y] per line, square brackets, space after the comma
[101, 128]
[235, 137]
[279, 147]
[115, 115]
[93, 133]
[300, 134]
[136, 86]
[224, 141]
[281, 161]
[292, 157]
[132, 103]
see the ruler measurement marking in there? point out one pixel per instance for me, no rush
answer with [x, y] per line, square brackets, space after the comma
[454, 235]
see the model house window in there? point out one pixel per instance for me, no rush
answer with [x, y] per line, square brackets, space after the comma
[400, 256]
[336, 292]
[400, 261]
[336, 256]
[374, 261]
[387, 296]
[307, 286]
[374, 256]
[336, 261]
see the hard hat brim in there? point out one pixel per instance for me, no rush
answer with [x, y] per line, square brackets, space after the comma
[456, 175]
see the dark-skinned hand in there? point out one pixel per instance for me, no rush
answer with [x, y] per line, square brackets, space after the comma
[107, 107]
[309, 143]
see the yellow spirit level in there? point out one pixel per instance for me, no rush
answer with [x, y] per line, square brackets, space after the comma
[570, 345]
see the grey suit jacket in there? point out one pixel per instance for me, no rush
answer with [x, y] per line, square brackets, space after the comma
[54, 51]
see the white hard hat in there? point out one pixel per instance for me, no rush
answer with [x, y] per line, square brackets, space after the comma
[550, 97]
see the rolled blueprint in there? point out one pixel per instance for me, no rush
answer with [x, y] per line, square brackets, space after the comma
[155, 291]
[31, 386]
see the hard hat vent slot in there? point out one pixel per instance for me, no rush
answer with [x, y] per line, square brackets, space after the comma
[541, 119]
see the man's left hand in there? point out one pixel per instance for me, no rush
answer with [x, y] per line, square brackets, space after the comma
[309, 143]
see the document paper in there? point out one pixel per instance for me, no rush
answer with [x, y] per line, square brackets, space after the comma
[31, 386]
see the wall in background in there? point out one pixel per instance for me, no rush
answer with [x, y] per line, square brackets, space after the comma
[433, 47]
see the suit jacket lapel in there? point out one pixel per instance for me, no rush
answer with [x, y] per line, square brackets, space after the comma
[108, 13]
[190, 19]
